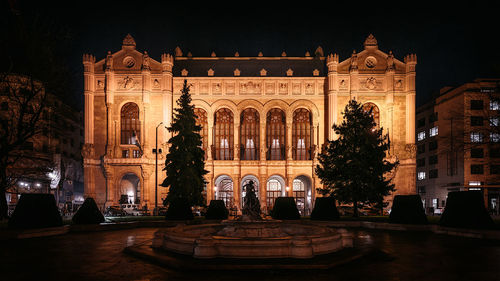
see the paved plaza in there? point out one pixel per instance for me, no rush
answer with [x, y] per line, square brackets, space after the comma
[393, 255]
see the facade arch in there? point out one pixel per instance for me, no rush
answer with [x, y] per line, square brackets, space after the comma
[275, 104]
[249, 134]
[307, 105]
[275, 187]
[203, 105]
[276, 134]
[303, 194]
[224, 120]
[244, 180]
[223, 103]
[129, 188]
[130, 124]
[375, 111]
[251, 103]
[224, 189]
[302, 134]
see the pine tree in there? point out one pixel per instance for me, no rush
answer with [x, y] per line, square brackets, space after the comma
[185, 166]
[353, 168]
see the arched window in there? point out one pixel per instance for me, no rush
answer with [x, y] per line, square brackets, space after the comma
[249, 134]
[275, 131]
[130, 124]
[369, 106]
[301, 134]
[202, 120]
[224, 134]
[224, 190]
[273, 191]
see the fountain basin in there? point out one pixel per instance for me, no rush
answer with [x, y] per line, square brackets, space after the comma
[257, 239]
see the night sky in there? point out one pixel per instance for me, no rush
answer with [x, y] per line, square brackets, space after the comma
[454, 44]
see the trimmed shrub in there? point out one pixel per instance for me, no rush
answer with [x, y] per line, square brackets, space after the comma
[285, 209]
[179, 210]
[88, 213]
[217, 210]
[325, 209]
[465, 209]
[407, 209]
[36, 210]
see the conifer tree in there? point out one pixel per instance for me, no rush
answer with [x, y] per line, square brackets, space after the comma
[184, 165]
[353, 168]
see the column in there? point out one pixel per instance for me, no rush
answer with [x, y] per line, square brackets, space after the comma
[332, 63]
[288, 138]
[236, 139]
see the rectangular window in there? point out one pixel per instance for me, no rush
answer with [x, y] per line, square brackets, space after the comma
[476, 169]
[476, 104]
[421, 189]
[494, 121]
[421, 136]
[433, 159]
[433, 173]
[421, 162]
[433, 145]
[421, 176]
[494, 137]
[421, 123]
[434, 203]
[433, 117]
[494, 152]
[476, 153]
[476, 137]
[476, 120]
[125, 153]
[475, 183]
[494, 169]
[433, 131]
[494, 105]
[421, 148]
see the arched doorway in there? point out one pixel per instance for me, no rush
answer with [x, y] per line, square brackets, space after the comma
[223, 190]
[275, 188]
[130, 189]
[302, 192]
[244, 181]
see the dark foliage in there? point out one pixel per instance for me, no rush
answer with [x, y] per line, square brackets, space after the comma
[325, 209]
[179, 209]
[217, 210]
[36, 211]
[407, 209]
[285, 209]
[185, 163]
[353, 168]
[88, 213]
[465, 209]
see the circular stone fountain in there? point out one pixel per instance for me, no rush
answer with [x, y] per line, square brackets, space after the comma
[252, 239]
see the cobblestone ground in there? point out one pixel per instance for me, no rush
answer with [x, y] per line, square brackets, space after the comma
[397, 256]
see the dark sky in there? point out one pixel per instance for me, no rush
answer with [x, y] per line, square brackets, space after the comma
[454, 44]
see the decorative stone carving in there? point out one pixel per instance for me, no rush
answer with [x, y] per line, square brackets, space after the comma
[128, 41]
[371, 62]
[128, 62]
[263, 72]
[100, 84]
[390, 61]
[354, 61]
[250, 88]
[145, 61]
[178, 51]
[296, 89]
[184, 72]
[237, 72]
[371, 83]
[210, 72]
[216, 88]
[88, 150]
[156, 83]
[343, 84]
[315, 72]
[411, 150]
[289, 72]
[128, 83]
[309, 89]
[283, 88]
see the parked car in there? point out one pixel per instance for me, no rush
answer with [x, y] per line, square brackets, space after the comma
[114, 211]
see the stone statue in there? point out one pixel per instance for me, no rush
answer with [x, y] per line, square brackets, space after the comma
[251, 204]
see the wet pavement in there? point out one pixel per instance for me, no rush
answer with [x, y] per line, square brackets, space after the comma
[395, 256]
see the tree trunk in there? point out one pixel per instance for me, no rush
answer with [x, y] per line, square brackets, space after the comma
[4, 208]
[355, 209]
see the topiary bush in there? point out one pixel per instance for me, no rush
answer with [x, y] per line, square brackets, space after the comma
[407, 209]
[325, 209]
[465, 209]
[88, 213]
[179, 210]
[217, 210]
[35, 210]
[285, 209]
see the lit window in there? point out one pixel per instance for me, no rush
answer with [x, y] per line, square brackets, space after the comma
[474, 183]
[494, 121]
[421, 135]
[433, 131]
[494, 105]
[494, 137]
[421, 176]
[476, 137]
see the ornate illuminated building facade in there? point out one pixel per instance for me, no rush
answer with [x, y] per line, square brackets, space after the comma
[264, 119]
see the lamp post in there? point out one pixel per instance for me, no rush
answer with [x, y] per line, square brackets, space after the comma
[156, 172]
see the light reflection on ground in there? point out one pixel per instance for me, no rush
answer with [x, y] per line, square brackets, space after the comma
[397, 256]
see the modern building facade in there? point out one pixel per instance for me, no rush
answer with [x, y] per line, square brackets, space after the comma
[458, 144]
[51, 161]
[264, 119]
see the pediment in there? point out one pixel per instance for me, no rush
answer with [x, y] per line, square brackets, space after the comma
[371, 61]
[129, 60]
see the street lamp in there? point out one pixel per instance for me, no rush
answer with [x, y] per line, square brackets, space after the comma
[156, 172]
